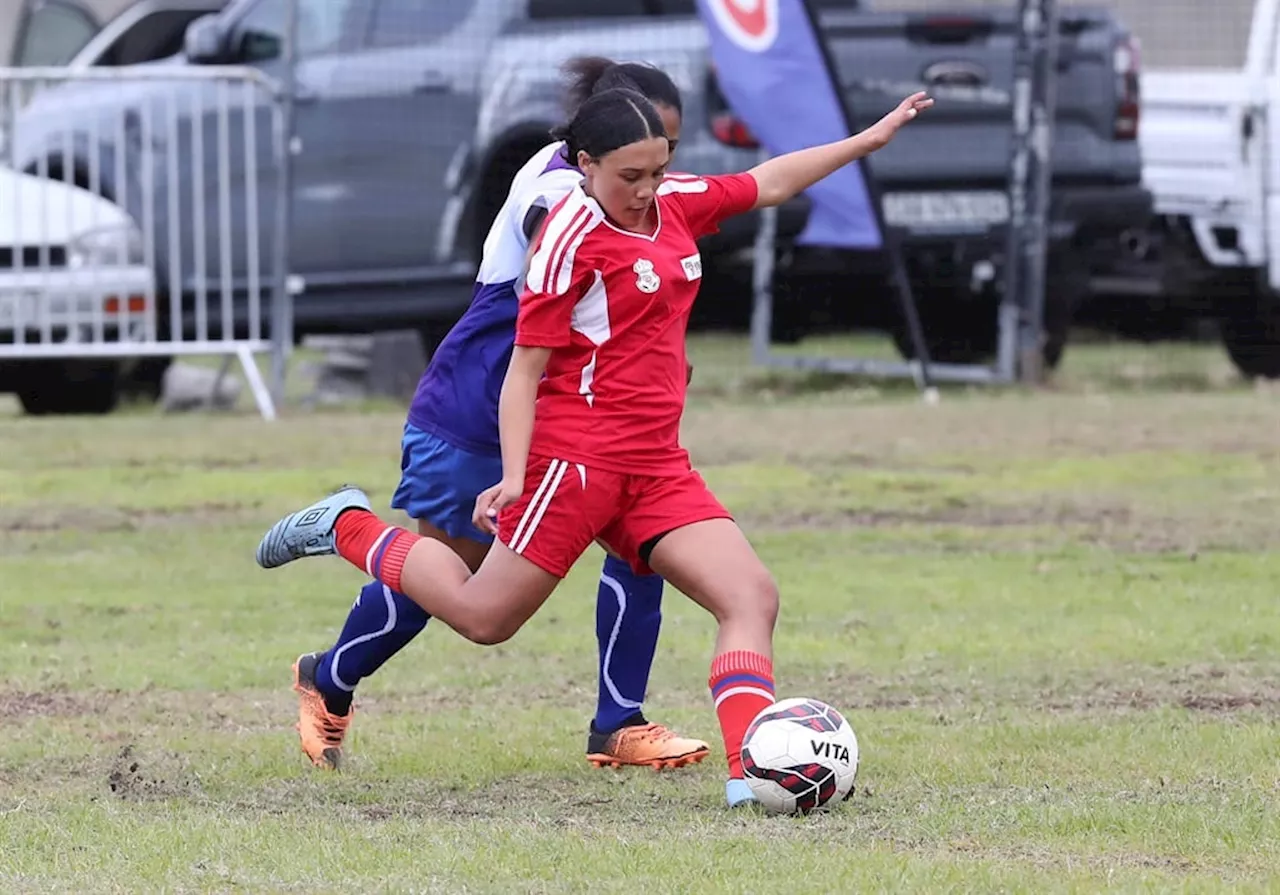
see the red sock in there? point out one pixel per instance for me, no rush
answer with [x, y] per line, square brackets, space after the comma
[370, 544]
[741, 685]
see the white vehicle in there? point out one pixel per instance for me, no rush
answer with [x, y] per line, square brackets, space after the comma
[81, 33]
[1211, 157]
[76, 34]
[71, 269]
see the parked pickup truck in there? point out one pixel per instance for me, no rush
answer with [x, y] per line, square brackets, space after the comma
[1211, 146]
[943, 180]
[413, 116]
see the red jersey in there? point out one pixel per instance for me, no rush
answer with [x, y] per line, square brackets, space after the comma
[614, 306]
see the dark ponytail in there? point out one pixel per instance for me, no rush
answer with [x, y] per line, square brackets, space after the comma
[584, 73]
[589, 75]
[609, 120]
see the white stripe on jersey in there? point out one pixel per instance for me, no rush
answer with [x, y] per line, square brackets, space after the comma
[551, 268]
[506, 245]
[679, 183]
[591, 313]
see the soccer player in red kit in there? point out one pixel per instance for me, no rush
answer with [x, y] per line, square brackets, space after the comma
[589, 414]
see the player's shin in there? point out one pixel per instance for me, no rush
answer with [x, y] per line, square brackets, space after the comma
[628, 619]
[741, 685]
[381, 622]
[373, 546]
[424, 570]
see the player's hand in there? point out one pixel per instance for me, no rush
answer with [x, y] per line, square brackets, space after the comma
[491, 502]
[887, 127]
[688, 374]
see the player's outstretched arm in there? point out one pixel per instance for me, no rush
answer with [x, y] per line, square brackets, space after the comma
[515, 431]
[786, 176]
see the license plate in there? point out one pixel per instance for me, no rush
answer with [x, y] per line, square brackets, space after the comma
[949, 212]
[19, 309]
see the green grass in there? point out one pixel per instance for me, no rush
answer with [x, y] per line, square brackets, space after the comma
[1051, 618]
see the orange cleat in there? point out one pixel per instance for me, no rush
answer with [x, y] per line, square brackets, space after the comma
[644, 744]
[320, 731]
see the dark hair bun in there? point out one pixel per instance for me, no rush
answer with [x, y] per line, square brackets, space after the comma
[589, 75]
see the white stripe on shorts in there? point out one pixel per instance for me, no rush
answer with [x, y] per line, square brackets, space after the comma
[519, 543]
[537, 495]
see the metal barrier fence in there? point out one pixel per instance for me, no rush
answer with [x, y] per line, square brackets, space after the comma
[413, 118]
[153, 228]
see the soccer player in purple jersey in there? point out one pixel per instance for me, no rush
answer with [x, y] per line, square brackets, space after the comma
[451, 453]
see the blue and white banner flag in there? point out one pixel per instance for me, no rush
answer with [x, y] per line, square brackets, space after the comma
[774, 74]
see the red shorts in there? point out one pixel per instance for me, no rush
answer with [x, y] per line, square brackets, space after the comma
[566, 506]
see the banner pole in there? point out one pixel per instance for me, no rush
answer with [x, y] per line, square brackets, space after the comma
[890, 244]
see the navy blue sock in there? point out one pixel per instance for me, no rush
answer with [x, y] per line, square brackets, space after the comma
[628, 616]
[380, 623]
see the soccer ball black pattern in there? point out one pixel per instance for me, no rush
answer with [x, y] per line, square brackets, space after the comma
[799, 755]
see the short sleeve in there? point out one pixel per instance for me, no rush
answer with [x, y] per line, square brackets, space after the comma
[546, 192]
[707, 201]
[559, 275]
[544, 319]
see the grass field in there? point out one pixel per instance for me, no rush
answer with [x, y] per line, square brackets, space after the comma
[1052, 620]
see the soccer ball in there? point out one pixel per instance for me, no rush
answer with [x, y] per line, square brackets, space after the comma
[799, 755]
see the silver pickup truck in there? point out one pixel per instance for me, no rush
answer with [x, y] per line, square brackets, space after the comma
[413, 116]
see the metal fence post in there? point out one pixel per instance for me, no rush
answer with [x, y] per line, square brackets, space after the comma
[148, 262]
[1030, 181]
[286, 147]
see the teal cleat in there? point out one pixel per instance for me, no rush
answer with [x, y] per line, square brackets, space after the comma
[309, 532]
[739, 794]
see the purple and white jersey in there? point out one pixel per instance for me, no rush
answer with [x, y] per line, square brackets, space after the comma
[457, 397]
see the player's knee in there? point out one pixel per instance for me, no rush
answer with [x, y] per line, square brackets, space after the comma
[489, 630]
[767, 599]
[757, 598]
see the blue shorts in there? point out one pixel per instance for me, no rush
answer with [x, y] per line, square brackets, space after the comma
[439, 483]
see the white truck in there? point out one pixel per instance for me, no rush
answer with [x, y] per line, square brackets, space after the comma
[71, 269]
[1211, 157]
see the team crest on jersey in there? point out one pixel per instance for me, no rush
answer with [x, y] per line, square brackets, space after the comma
[646, 280]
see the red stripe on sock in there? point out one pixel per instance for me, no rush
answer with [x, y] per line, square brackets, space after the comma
[737, 710]
[358, 531]
[739, 661]
[393, 557]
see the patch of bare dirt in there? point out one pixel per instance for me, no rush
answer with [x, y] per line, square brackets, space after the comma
[100, 520]
[569, 803]
[365, 796]
[258, 711]
[1234, 702]
[1205, 689]
[1214, 690]
[136, 776]
[1262, 698]
[203, 463]
[1046, 426]
[954, 512]
[1107, 524]
[1124, 527]
[227, 712]
[1219, 691]
[1049, 859]
[57, 703]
